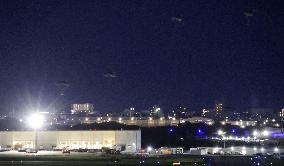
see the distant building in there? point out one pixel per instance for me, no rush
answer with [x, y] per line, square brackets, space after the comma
[128, 140]
[130, 112]
[281, 113]
[219, 108]
[204, 112]
[241, 115]
[207, 121]
[156, 112]
[142, 121]
[208, 113]
[180, 112]
[82, 108]
[264, 112]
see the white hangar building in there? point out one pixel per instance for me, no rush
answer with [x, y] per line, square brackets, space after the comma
[128, 140]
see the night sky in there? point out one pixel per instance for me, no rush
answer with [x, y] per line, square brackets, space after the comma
[119, 54]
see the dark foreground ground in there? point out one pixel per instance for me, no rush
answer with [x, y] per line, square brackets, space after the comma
[125, 160]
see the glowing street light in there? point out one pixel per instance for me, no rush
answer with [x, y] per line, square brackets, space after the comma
[255, 133]
[265, 133]
[35, 121]
[222, 133]
[244, 152]
[149, 149]
[261, 149]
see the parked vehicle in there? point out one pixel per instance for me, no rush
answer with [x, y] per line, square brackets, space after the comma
[66, 151]
[81, 150]
[111, 151]
[4, 150]
[31, 150]
[93, 150]
[22, 150]
[57, 149]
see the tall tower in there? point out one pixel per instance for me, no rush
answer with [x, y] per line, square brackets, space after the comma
[219, 108]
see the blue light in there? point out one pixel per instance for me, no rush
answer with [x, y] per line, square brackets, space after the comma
[233, 131]
[199, 132]
[171, 130]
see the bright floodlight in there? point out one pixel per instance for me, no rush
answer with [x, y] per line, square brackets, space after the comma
[261, 149]
[149, 149]
[265, 133]
[35, 121]
[255, 133]
[220, 132]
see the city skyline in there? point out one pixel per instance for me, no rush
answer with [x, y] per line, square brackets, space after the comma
[138, 54]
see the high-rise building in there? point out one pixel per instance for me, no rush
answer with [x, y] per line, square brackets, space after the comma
[82, 108]
[281, 113]
[156, 111]
[219, 108]
[180, 112]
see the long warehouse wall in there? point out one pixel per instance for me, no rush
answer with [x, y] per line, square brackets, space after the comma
[131, 139]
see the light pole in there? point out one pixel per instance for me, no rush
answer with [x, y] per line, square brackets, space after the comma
[35, 121]
[221, 133]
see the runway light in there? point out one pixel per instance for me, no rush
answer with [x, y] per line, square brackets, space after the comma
[254, 148]
[232, 148]
[35, 121]
[276, 149]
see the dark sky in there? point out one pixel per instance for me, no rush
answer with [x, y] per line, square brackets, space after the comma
[214, 53]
